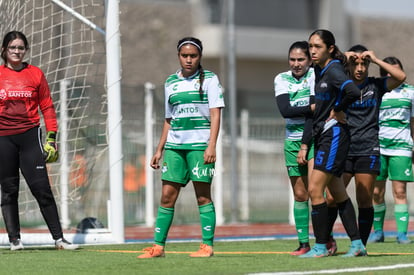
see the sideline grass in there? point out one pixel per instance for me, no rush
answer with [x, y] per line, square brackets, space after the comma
[238, 257]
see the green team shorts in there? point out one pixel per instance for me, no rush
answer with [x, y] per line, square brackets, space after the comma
[396, 168]
[184, 165]
[291, 149]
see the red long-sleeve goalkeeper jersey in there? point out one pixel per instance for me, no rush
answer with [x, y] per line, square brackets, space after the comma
[22, 94]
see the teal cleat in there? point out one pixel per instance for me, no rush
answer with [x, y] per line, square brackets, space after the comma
[402, 238]
[317, 251]
[357, 249]
[376, 237]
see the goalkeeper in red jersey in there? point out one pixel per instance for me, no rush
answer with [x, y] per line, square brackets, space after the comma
[23, 91]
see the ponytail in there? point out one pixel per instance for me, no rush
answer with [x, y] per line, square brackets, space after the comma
[202, 75]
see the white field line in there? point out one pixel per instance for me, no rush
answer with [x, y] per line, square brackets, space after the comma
[333, 271]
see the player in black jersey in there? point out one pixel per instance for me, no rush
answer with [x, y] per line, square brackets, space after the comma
[334, 92]
[363, 161]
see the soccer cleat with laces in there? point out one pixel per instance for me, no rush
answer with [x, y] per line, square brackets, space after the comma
[153, 252]
[376, 237]
[302, 249]
[402, 238]
[331, 246]
[357, 249]
[62, 244]
[317, 251]
[16, 245]
[204, 251]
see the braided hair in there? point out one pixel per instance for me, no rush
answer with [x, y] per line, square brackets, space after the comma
[197, 43]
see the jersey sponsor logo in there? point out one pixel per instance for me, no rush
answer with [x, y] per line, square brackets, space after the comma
[7, 94]
[301, 103]
[188, 110]
[203, 172]
[372, 102]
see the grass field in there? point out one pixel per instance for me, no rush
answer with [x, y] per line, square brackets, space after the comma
[231, 257]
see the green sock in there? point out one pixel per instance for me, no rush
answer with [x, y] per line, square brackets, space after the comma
[301, 214]
[401, 217]
[208, 222]
[162, 225]
[379, 214]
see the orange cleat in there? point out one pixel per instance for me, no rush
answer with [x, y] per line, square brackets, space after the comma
[302, 249]
[153, 252]
[204, 251]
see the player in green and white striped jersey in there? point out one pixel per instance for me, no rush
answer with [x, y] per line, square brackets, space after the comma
[193, 103]
[396, 145]
[294, 91]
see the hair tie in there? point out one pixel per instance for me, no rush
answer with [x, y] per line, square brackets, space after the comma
[189, 42]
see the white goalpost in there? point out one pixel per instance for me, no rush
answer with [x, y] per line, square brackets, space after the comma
[67, 44]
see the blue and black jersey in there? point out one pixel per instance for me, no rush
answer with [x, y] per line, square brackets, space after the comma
[333, 90]
[362, 117]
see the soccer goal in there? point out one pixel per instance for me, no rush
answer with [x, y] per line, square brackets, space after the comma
[67, 44]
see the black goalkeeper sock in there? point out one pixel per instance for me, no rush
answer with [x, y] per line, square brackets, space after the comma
[347, 214]
[365, 220]
[332, 215]
[320, 223]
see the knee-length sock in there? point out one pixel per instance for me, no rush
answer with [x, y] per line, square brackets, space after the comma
[401, 217]
[208, 222]
[332, 215]
[365, 220]
[301, 215]
[379, 215]
[348, 217]
[162, 225]
[320, 223]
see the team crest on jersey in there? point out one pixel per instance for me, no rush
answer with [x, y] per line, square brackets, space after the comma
[197, 85]
[3, 94]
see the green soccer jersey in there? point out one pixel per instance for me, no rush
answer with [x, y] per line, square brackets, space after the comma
[396, 110]
[189, 109]
[299, 91]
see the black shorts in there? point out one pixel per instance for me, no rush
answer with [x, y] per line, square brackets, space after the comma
[331, 150]
[363, 164]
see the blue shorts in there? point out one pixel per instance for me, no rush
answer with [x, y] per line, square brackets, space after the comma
[331, 150]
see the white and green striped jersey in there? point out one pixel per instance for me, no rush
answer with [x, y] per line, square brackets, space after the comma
[189, 109]
[299, 91]
[396, 110]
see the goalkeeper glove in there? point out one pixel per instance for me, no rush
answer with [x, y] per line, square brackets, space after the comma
[50, 147]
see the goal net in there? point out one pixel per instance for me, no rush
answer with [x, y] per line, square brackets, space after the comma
[72, 56]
